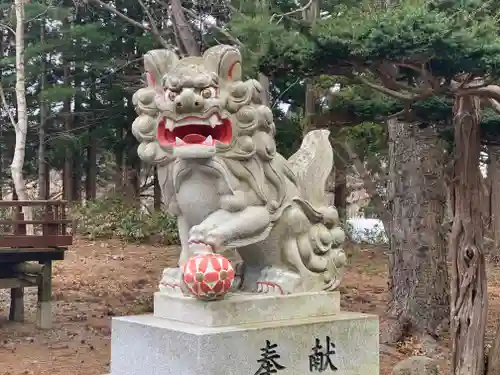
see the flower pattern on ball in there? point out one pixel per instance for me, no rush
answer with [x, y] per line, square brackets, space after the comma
[208, 276]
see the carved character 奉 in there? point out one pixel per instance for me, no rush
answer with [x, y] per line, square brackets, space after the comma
[221, 176]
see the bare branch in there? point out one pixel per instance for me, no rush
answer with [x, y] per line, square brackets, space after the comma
[423, 94]
[422, 72]
[6, 106]
[216, 27]
[393, 84]
[490, 92]
[48, 6]
[406, 111]
[495, 104]
[240, 13]
[154, 28]
[7, 27]
[383, 90]
[133, 22]
[298, 10]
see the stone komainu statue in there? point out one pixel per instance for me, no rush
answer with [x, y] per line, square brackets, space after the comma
[221, 176]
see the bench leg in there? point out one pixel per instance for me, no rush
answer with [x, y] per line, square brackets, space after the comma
[44, 306]
[16, 312]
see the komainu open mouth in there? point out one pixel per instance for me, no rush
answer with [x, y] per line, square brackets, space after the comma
[194, 130]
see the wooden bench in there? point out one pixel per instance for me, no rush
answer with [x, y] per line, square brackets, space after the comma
[26, 259]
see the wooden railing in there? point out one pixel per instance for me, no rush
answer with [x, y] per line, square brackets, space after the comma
[50, 226]
[41, 239]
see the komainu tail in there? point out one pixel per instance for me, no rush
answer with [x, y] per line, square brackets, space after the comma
[320, 247]
[312, 164]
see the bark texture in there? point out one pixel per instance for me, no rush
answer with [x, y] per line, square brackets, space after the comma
[418, 275]
[21, 127]
[468, 283]
[494, 181]
[183, 30]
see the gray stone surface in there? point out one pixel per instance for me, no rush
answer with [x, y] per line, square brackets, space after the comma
[148, 345]
[417, 365]
[245, 308]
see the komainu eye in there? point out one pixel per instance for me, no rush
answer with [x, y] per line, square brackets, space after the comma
[170, 95]
[208, 92]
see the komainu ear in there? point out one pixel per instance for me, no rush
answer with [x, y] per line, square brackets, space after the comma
[157, 63]
[225, 61]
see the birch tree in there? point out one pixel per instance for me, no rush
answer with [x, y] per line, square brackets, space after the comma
[21, 126]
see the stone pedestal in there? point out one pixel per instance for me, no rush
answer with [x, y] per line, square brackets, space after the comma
[244, 335]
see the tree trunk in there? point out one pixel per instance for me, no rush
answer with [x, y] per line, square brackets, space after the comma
[418, 275]
[78, 123]
[494, 181]
[91, 165]
[371, 187]
[184, 30]
[468, 283]
[1, 169]
[156, 191]
[21, 128]
[118, 175]
[340, 190]
[76, 177]
[264, 82]
[310, 15]
[91, 178]
[43, 192]
[68, 126]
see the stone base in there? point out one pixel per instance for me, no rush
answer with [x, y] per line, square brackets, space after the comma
[149, 345]
[243, 308]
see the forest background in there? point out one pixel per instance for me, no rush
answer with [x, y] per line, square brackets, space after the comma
[407, 88]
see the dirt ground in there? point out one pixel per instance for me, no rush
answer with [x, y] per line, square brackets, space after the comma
[102, 279]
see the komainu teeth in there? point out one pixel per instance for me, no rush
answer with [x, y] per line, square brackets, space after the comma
[214, 121]
[169, 124]
[208, 141]
[179, 142]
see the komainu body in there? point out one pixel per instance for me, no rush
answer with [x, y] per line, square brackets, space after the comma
[213, 142]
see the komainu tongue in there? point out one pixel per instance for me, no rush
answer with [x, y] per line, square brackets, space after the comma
[194, 138]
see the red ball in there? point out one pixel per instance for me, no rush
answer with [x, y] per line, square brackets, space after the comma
[208, 276]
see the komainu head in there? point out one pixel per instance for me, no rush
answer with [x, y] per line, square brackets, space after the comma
[198, 107]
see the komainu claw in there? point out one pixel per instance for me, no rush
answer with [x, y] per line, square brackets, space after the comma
[277, 281]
